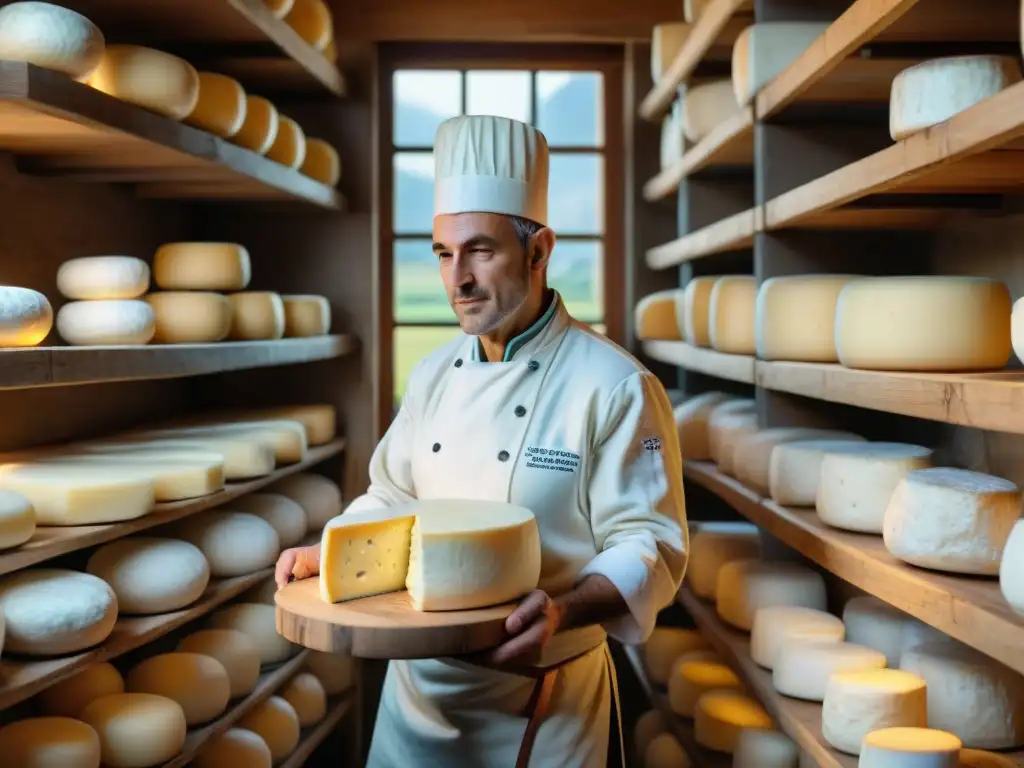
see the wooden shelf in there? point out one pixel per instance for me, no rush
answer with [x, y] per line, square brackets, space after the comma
[50, 542]
[315, 736]
[732, 233]
[971, 609]
[59, 127]
[733, 367]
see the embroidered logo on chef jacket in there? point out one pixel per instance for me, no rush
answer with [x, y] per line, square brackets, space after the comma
[551, 458]
[652, 443]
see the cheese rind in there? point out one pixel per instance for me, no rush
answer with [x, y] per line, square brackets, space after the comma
[312, 20]
[664, 646]
[103, 277]
[202, 266]
[198, 683]
[696, 310]
[49, 742]
[147, 78]
[794, 469]
[910, 747]
[655, 317]
[762, 51]
[137, 728]
[256, 316]
[189, 317]
[777, 627]
[307, 697]
[803, 667]
[322, 162]
[286, 516]
[720, 415]
[319, 497]
[762, 748]
[710, 550]
[234, 543]
[722, 715]
[857, 703]
[151, 575]
[175, 478]
[666, 41]
[751, 460]
[746, 586]
[106, 323]
[26, 316]
[691, 417]
[243, 459]
[220, 108]
[706, 106]
[276, 722]
[289, 147]
[260, 127]
[693, 679]
[727, 433]
[731, 314]
[794, 317]
[50, 36]
[255, 620]
[82, 495]
[285, 436]
[236, 651]
[236, 746]
[306, 316]
[68, 697]
[17, 520]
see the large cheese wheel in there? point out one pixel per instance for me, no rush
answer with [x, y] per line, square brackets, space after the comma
[137, 729]
[276, 722]
[236, 651]
[664, 751]
[731, 314]
[655, 316]
[202, 266]
[752, 456]
[199, 683]
[103, 277]
[696, 310]
[286, 515]
[857, 703]
[321, 162]
[147, 78]
[220, 108]
[746, 586]
[260, 127]
[307, 696]
[257, 621]
[722, 715]
[933, 323]
[647, 727]
[319, 419]
[106, 323]
[334, 671]
[234, 747]
[306, 316]
[234, 543]
[311, 19]
[762, 748]
[319, 497]
[803, 668]
[52, 611]
[706, 106]
[691, 417]
[49, 742]
[26, 317]
[729, 431]
[794, 469]
[764, 50]
[795, 317]
[711, 549]
[17, 519]
[666, 40]
[68, 697]
[721, 414]
[693, 679]
[663, 647]
[780, 626]
[256, 316]
[190, 317]
[918, 747]
[289, 147]
[80, 495]
[50, 36]
[150, 574]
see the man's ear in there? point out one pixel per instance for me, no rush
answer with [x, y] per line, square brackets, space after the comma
[541, 246]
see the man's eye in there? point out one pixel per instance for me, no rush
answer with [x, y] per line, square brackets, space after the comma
[444, 255]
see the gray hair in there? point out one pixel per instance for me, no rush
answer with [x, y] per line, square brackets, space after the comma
[525, 229]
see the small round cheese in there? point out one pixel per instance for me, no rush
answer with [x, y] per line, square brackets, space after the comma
[664, 645]
[334, 671]
[319, 497]
[286, 516]
[260, 127]
[664, 751]
[307, 697]
[289, 147]
[199, 683]
[189, 317]
[655, 316]
[711, 549]
[17, 519]
[693, 679]
[137, 729]
[147, 78]
[279, 8]
[311, 19]
[106, 323]
[795, 469]
[857, 703]
[202, 266]
[795, 317]
[951, 520]
[647, 727]
[722, 415]
[257, 621]
[322, 162]
[1011, 568]
[976, 758]
[916, 747]
[857, 482]
[803, 667]
[761, 748]
[752, 456]
[780, 626]
[256, 316]
[220, 108]
[728, 431]
[722, 715]
[731, 314]
[306, 316]
[26, 317]
[696, 310]
[234, 543]
[236, 651]
[49, 742]
[67, 698]
[691, 417]
[235, 747]
[150, 574]
[103, 277]
[52, 611]
[50, 36]
[746, 586]
[276, 723]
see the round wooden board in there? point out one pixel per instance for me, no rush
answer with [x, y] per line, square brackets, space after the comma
[384, 626]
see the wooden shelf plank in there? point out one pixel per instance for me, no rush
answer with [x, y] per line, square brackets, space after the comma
[971, 609]
[315, 736]
[49, 542]
[60, 127]
[729, 144]
[855, 217]
[732, 233]
[732, 367]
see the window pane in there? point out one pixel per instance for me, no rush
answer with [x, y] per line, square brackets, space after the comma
[576, 271]
[503, 94]
[419, 292]
[423, 100]
[576, 194]
[414, 192]
[413, 343]
[569, 107]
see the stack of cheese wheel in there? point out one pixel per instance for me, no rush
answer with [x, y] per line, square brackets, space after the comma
[105, 307]
[664, 646]
[51, 37]
[656, 316]
[713, 545]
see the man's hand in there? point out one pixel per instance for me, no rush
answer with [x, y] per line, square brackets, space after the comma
[531, 626]
[298, 562]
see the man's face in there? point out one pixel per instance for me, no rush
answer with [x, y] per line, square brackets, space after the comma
[484, 268]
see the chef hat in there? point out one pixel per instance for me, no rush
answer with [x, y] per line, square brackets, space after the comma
[491, 165]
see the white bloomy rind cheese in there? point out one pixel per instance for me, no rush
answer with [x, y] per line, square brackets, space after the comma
[856, 483]
[1011, 568]
[780, 626]
[711, 549]
[449, 554]
[731, 314]
[50, 36]
[306, 316]
[655, 316]
[759, 748]
[926, 323]
[220, 108]
[322, 162]
[234, 543]
[803, 668]
[147, 78]
[26, 317]
[752, 457]
[665, 645]
[666, 40]
[137, 728]
[289, 147]
[696, 310]
[722, 715]
[695, 678]
[879, 625]
[17, 521]
[857, 703]
[256, 316]
[933, 91]
[50, 742]
[81, 495]
[910, 748]
[260, 127]
[103, 277]
[202, 266]
[198, 683]
[691, 417]
[286, 515]
[794, 318]
[951, 520]
[764, 50]
[106, 323]
[720, 416]
[795, 469]
[706, 106]
[190, 317]
[746, 586]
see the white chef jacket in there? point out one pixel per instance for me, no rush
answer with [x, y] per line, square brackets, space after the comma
[573, 428]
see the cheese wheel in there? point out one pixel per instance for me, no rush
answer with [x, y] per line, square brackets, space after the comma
[795, 317]
[746, 586]
[696, 310]
[17, 519]
[666, 41]
[706, 106]
[334, 671]
[150, 574]
[976, 758]
[220, 108]
[710, 550]
[857, 482]
[276, 722]
[803, 667]
[311, 19]
[287, 437]
[242, 459]
[236, 651]
[647, 727]
[49, 742]
[319, 497]
[879, 625]
[722, 715]
[257, 621]
[322, 162]
[103, 277]
[137, 729]
[663, 647]
[256, 316]
[259, 130]
[729, 432]
[1011, 568]
[307, 697]
[187, 317]
[915, 747]
[198, 683]
[68, 697]
[794, 469]
[202, 266]
[762, 748]
[762, 51]
[932, 92]
[723, 413]
[932, 323]
[319, 420]
[50, 36]
[691, 417]
[80, 495]
[234, 747]
[780, 626]
[234, 543]
[279, 8]
[147, 78]
[106, 323]
[289, 147]
[286, 516]
[693, 679]
[752, 456]
[26, 316]
[655, 317]
[731, 314]
[664, 751]
[857, 703]
[306, 316]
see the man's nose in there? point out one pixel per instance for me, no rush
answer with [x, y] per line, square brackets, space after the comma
[461, 274]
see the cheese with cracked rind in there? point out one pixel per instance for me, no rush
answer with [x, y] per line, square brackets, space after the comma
[26, 317]
[202, 266]
[746, 586]
[49, 742]
[711, 549]
[50, 36]
[306, 315]
[198, 683]
[857, 703]
[147, 78]
[722, 715]
[803, 667]
[777, 627]
[691, 417]
[795, 317]
[655, 316]
[103, 277]
[124, 322]
[910, 748]
[150, 574]
[763, 50]
[794, 469]
[752, 456]
[731, 314]
[220, 108]
[137, 729]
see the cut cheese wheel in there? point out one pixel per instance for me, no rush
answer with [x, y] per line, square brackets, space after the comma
[137, 729]
[794, 469]
[933, 91]
[764, 50]
[103, 277]
[68, 697]
[934, 323]
[49, 742]
[729, 431]
[189, 317]
[202, 267]
[322, 162]
[147, 78]
[234, 747]
[50, 36]
[706, 106]
[752, 456]
[976, 758]
[721, 414]
[858, 480]
[52, 611]
[722, 715]
[691, 419]
[970, 694]
[795, 317]
[951, 520]
[279, 8]
[857, 703]
[664, 751]
[260, 127]
[234, 543]
[17, 519]
[257, 621]
[311, 19]
[449, 554]
[256, 316]
[82, 495]
[286, 515]
[175, 478]
[762, 748]
[710, 550]
[693, 679]
[242, 459]
[289, 147]
[664, 646]
[319, 497]
[307, 697]
[746, 586]
[334, 671]
[647, 727]
[1011, 568]
[306, 316]
[106, 323]
[666, 40]
[26, 316]
[236, 651]
[780, 626]
[916, 747]
[803, 667]
[276, 722]
[198, 683]
[150, 574]
[655, 317]
[731, 314]
[220, 108]
[696, 310]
